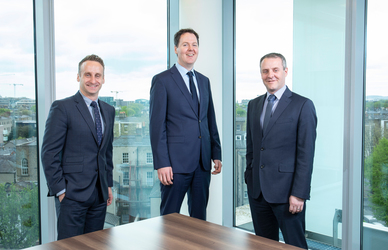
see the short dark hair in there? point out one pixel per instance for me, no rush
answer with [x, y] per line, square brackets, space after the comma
[178, 35]
[91, 57]
[275, 55]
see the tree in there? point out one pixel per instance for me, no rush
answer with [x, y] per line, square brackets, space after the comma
[5, 112]
[19, 216]
[376, 168]
[133, 109]
[240, 111]
[25, 112]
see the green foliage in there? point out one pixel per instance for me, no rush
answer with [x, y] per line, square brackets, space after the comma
[26, 112]
[133, 109]
[240, 110]
[19, 216]
[376, 168]
[372, 105]
[25, 132]
[5, 112]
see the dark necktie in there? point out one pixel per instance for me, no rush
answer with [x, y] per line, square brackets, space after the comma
[193, 90]
[268, 111]
[97, 121]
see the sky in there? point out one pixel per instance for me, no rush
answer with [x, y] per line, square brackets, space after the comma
[131, 37]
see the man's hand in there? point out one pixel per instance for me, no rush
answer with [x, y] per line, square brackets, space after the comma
[217, 167]
[165, 175]
[60, 197]
[296, 204]
[110, 196]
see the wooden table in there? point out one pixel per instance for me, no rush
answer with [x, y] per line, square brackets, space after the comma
[173, 231]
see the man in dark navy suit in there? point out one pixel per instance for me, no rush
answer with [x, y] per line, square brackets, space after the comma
[281, 132]
[77, 153]
[183, 130]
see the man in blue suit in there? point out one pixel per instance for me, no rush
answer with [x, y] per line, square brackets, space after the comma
[281, 132]
[183, 131]
[77, 153]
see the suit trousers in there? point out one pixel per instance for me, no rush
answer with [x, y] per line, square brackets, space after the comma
[269, 217]
[195, 184]
[76, 218]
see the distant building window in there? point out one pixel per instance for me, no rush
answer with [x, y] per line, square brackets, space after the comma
[24, 167]
[125, 158]
[245, 194]
[238, 127]
[150, 178]
[245, 137]
[126, 179]
[150, 160]
[238, 137]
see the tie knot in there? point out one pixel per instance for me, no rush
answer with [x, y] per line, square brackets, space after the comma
[93, 104]
[271, 98]
[190, 74]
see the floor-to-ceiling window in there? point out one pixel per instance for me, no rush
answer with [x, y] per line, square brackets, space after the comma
[131, 38]
[311, 35]
[375, 195]
[19, 199]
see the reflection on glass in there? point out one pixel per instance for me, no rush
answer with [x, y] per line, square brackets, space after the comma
[19, 208]
[311, 35]
[131, 38]
[375, 219]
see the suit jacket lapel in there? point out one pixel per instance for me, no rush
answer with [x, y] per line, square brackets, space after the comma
[83, 109]
[258, 111]
[203, 94]
[282, 105]
[183, 88]
[104, 114]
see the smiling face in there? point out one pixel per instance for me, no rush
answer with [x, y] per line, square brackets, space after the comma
[273, 74]
[187, 50]
[91, 79]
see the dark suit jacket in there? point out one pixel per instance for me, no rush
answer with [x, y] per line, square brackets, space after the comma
[179, 136]
[71, 157]
[280, 162]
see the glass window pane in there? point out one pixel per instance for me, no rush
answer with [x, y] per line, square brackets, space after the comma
[19, 198]
[375, 220]
[311, 35]
[131, 38]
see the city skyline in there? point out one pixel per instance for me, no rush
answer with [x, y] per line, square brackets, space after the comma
[131, 55]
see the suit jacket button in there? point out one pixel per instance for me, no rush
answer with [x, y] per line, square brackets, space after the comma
[262, 149]
[199, 137]
[199, 120]
[262, 166]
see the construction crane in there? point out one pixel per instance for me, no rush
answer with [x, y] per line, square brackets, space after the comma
[116, 92]
[14, 87]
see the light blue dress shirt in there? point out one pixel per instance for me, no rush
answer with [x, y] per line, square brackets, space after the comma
[278, 95]
[183, 71]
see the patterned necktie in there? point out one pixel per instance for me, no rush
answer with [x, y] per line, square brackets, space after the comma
[97, 121]
[268, 111]
[193, 90]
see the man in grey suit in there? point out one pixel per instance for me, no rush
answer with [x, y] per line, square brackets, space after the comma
[77, 153]
[281, 133]
[183, 130]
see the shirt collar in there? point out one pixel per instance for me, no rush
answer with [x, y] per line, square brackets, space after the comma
[182, 69]
[278, 93]
[87, 100]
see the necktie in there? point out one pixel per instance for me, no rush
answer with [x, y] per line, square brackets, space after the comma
[193, 90]
[97, 121]
[268, 111]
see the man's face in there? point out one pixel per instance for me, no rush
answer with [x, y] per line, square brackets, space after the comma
[187, 50]
[273, 74]
[91, 79]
